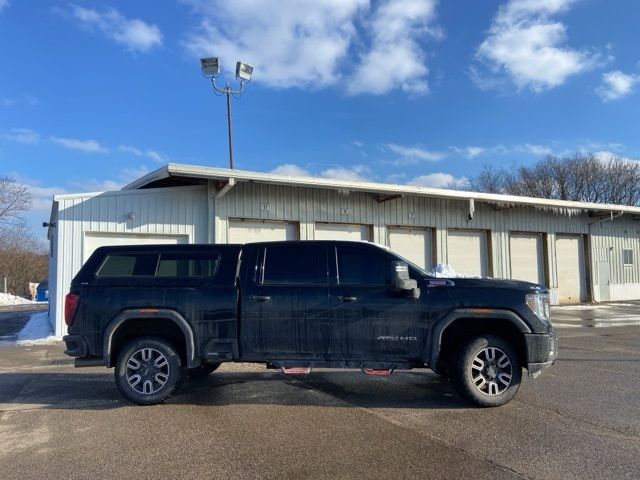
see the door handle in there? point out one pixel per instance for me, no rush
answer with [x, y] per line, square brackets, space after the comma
[261, 298]
[346, 299]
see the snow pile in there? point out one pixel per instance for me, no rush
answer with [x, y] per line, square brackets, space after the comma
[443, 270]
[37, 331]
[8, 299]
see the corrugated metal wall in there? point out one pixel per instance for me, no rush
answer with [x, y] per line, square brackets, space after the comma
[167, 211]
[307, 205]
[609, 239]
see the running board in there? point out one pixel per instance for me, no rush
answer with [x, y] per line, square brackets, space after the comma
[296, 370]
[377, 372]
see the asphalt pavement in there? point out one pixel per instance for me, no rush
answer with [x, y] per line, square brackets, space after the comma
[14, 317]
[579, 420]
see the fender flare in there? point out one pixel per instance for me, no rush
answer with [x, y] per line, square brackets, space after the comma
[483, 313]
[143, 313]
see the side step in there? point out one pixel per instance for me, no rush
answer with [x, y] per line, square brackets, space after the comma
[296, 370]
[376, 372]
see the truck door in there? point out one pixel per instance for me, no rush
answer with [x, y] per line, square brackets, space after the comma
[284, 306]
[377, 322]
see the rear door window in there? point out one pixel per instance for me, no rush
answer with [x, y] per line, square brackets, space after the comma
[188, 265]
[295, 264]
[128, 265]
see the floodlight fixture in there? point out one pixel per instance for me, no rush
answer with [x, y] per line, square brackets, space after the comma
[210, 66]
[243, 72]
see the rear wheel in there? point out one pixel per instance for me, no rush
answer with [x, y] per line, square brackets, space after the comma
[486, 371]
[148, 370]
[203, 370]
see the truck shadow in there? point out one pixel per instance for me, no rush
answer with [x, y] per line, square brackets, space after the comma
[338, 389]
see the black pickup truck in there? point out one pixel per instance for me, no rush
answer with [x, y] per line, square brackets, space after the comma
[161, 313]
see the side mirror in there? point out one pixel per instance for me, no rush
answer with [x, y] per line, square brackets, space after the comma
[401, 280]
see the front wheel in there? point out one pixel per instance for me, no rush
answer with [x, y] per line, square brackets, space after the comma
[486, 371]
[148, 370]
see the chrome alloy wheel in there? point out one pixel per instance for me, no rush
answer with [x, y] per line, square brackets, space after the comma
[491, 371]
[147, 371]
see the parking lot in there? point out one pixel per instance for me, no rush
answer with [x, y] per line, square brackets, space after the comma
[580, 419]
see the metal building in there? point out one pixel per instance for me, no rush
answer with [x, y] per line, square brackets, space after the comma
[581, 251]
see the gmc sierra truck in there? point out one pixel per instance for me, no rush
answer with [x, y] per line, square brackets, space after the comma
[159, 314]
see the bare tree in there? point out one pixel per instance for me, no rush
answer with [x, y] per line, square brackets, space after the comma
[586, 178]
[23, 258]
[14, 199]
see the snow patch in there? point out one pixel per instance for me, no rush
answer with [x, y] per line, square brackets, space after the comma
[37, 331]
[9, 299]
[443, 270]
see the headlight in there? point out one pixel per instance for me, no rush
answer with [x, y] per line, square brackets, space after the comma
[539, 304]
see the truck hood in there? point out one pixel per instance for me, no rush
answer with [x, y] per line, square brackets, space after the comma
[498, 283]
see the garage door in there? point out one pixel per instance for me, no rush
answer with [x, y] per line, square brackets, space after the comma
[572, 281]
[527, 257]
[467, 252]
[341, 231]
[413, 244]
[245, 231]
[95, 240]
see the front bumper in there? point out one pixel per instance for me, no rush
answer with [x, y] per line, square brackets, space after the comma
[541, 351]
[76, 346]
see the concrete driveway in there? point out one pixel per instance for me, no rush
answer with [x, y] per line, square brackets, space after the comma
[580, 419]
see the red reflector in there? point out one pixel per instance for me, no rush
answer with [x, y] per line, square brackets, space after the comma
[379, 373]
[296, 371]
[70, 307]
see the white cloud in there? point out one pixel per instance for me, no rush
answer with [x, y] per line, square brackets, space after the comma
[412, 155]
[353, 173]
[22, 135]
[151, 154]
[290, 170]
[135, 34]
[470, 151]
[313, 44]
[530, 148]
[3, 4]
[18, 100]
[616, 84]
[357, 173]
[527, 45]
[396, 58]
[439, 180]
[89, 146]
[293, 44]
[126, 176]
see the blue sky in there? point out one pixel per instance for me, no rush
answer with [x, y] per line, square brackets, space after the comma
[94, 94]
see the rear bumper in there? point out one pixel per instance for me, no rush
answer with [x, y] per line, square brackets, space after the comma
[76, 346]
[542, 351]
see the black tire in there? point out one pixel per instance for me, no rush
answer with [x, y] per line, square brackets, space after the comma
[483, 378]
[158, 362]
[203, 370]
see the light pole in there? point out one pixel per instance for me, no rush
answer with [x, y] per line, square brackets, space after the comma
[211, 69]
